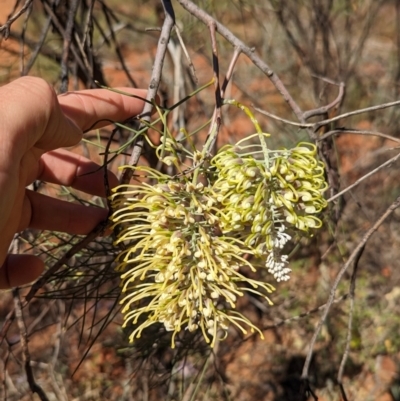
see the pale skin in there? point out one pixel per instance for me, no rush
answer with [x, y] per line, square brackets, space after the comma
[35, 125]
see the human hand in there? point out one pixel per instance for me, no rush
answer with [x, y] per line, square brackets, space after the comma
[34, 124]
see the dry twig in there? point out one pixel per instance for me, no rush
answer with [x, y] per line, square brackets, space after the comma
[5, 29]
[351, 260]
[35, 388]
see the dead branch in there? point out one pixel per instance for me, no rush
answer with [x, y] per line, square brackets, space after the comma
[35, 388]
[360, 180]
[350, 318]
[351, 260]
[168, 24]
[5, 29]
[345, 130]
[249, 52]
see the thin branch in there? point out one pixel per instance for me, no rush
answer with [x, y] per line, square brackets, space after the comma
[73, 7]
[283, 120]
[304, 315]
[351, 260]
[357, 132]
[22, 43]
[169, 22]
[117, 46]
[231, 67]
[342, 392]
[319, 124]
[356, 112]
[189, 60]
[354, 55]
[360, 180]
[249, 52]
[61, 30]
[85, 60]
[64, 259]
[86, 42]
[38, 48]
[324, 109]
[302, 32]
[175, 51]
[88, 26]
[35, 388]
[5, 29]
[350, 321]
[216, 119]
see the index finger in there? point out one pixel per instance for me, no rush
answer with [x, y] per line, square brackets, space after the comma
[34, 116]
[88, 107]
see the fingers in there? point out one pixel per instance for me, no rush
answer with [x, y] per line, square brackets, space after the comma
[19, 270]
[33, 120]
[72, 170]
[45, 213]
[32, 114]
[87, 107]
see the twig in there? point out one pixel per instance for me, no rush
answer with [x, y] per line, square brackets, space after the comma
[215, 125]
[360, 180]
[303, 315]
[43, 312]
[357, 132]
[302, 32]
[193, 388]
[61, 31]
[73, 7]
[355, 53]
[329, 133]
[324, 109]
[85, 60]
[356, 112]
[153, 86]
[64, 259]
[6, 27]
[353, 257]
[229, 73]
[342, 392]
[87, 37]
[59, 333]
[325, 79]
[107, 319]
[117, 46]
[189, 60]
[284, 120]
[250, 53]
[35, 388]
[88, 26]
[22, 44]
[40, 43]
[175, 51]
[350, 321]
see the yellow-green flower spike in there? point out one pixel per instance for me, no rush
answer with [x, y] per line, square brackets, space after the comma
[178, 270]
[264, 205]
[187, 238]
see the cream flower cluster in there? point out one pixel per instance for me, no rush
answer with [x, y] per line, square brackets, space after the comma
[178, 269]
[188, 239]
[265, 203]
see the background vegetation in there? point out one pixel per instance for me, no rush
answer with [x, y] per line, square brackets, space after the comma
[343, 54]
